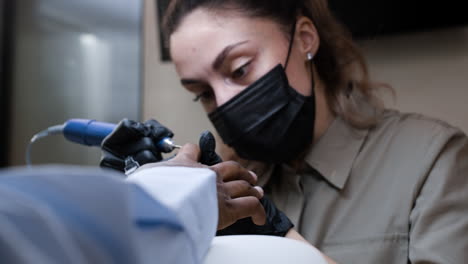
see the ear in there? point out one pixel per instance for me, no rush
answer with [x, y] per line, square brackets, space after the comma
[307, 36]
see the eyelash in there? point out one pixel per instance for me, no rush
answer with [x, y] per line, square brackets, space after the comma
[202, 95]
[206, 94]
[239, 69]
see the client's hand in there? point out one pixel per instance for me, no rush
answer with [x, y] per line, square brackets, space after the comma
[237, 196]
[277, 223]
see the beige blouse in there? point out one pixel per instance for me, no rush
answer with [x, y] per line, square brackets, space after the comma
[397, 193]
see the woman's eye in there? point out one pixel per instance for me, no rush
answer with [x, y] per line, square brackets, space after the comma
[240, 72]
[203, 97]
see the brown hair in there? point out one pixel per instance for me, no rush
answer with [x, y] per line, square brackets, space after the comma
[339, 62]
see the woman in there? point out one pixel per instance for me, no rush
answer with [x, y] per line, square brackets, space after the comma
[284, 85]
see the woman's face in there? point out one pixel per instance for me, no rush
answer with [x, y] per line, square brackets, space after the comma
[219, 54]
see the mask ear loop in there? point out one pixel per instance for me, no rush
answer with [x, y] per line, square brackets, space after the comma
[293, 32]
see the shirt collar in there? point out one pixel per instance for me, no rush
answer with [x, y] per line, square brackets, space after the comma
[334, 153]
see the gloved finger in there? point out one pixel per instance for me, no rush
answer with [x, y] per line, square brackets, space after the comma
[231, 171]
[146, 156]
[240, 227]
[188, 152]
[207, 145]
[238, 189]
[110, 161]
[157, 131]
[207, 142]
[126, 131]
[111, 164]
[248, 207]
[276, 217]
[132, 148]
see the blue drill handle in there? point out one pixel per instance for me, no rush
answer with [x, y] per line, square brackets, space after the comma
[87, 132]
[92, 133]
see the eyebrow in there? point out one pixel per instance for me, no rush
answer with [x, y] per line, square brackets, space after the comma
[217, 62]
[189, 81]
[222, 56]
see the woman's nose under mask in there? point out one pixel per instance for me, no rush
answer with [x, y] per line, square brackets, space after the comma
[268, 121]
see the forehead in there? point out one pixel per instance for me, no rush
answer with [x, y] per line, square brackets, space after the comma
[203, 34]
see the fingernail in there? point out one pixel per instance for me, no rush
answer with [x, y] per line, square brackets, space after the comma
[254, 175]
[260, 190]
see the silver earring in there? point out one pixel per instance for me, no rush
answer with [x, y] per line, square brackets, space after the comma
[310, 56]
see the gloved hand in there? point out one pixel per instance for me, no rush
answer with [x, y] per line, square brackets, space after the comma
[135, 140]
[207, 145]
[277, 223]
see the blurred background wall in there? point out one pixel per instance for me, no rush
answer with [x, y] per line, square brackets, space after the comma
[72, 59]
[428, 70]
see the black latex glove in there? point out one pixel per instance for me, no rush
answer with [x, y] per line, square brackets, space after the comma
[207, 145]
[277, 224]
[133, 139]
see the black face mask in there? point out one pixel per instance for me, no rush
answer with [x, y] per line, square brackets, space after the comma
[268, 121]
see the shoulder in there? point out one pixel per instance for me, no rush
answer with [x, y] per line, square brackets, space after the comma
[414, 127]
[412, 140]
[406, 148]
[415, 121]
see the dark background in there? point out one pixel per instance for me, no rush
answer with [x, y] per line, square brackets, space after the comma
[5, 76]
[373, 18]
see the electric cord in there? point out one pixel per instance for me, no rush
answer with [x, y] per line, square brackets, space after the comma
[53, 130]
